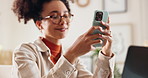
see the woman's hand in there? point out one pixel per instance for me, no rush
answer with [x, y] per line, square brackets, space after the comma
[85, 43]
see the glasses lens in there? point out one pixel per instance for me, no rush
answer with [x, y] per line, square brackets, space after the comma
[56, 19]
[67, 18]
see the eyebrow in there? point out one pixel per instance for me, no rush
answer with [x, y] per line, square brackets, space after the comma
[57, 12]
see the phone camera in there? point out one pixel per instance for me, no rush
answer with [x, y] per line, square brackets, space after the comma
[99, 16]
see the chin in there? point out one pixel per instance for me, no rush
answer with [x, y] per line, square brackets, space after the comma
[60, 37]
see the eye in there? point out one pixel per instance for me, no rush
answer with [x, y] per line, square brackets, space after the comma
[55, 16]
[66, 16]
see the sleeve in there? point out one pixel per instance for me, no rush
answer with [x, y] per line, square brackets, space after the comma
[104, 66]
[25, 63]
[82, 71]
[103, 69]
[62, 69]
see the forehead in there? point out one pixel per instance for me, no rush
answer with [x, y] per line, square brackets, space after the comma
[54, 6]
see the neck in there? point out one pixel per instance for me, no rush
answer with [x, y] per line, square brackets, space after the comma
[53, 40]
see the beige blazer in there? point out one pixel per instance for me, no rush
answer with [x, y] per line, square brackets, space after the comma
[31, 60]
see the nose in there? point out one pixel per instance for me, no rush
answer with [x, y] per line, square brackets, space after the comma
[62, 21]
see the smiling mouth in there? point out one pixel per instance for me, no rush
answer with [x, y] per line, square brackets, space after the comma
[61, 29]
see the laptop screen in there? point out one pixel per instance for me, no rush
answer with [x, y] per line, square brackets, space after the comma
[136, 63]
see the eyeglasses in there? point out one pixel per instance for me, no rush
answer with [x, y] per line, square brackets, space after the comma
[56, 18]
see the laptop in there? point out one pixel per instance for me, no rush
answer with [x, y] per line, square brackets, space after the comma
[136, 63]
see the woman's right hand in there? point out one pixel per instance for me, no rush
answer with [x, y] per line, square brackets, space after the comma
[83, 44]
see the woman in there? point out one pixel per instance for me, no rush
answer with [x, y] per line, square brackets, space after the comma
[44, 58]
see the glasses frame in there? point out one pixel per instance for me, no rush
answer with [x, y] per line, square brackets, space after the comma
[51, 18]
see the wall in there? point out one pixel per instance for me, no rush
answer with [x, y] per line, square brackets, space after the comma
[12, 32]
[136, 16]
[144, 20]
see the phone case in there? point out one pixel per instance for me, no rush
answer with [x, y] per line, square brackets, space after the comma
[98, 23]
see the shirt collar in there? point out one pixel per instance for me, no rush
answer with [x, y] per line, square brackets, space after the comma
[41, 45]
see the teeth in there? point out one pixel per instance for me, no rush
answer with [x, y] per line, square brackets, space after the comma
[64, 28]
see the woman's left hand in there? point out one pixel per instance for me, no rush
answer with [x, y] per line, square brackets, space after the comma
[106, 48]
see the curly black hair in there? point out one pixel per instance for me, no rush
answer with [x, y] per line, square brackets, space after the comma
[31, 9]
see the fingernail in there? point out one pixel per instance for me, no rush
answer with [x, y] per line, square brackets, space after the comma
[100, 35]
[96, 27]
[103, 22]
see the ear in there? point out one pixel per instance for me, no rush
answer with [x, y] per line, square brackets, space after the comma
[38, 24]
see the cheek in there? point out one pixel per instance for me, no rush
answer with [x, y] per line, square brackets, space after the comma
[50, 29]
[46, 27]
[46, 24]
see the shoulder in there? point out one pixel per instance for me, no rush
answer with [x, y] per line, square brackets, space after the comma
[25, 46]
[27, 50]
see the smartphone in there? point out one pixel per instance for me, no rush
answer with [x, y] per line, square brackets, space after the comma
[99, 15]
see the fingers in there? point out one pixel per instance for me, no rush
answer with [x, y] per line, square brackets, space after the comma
[101, 39]
[106, 25]
[107, 39]
[95, 42]
[108, 20]
[91, 30]
[107, 30]
[95, 36]
[92, 39]
[98, 38]
[107, 33]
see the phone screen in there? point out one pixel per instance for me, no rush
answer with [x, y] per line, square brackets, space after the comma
[99, 16]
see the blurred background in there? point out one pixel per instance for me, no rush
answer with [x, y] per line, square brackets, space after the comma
[128, 24]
